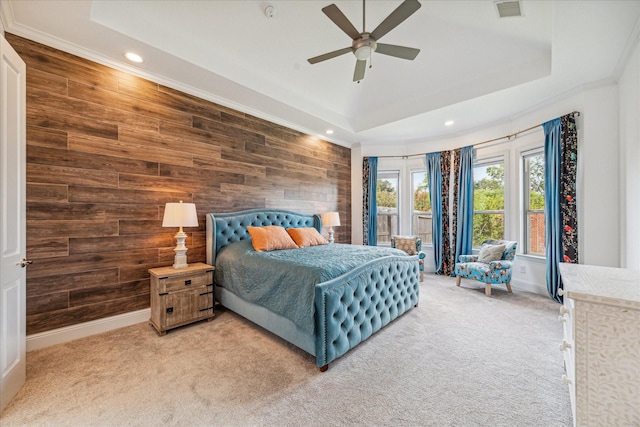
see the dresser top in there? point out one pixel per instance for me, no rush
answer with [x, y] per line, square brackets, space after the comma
[608, 285]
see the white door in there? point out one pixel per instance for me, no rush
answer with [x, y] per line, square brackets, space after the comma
[12, 223]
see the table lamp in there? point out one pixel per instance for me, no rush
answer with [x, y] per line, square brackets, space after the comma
[180, 215]
[331, 219]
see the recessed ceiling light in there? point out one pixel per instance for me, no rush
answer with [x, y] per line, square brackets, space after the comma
[329, 131]
[449, 122]
[133, 57]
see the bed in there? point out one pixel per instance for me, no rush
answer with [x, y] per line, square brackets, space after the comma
[330, 312]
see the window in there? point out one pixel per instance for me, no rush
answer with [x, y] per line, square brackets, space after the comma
[488, 201]
[533, 167]
[421, 207]
[387, 203]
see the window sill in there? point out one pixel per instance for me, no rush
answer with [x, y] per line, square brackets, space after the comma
[532, 258]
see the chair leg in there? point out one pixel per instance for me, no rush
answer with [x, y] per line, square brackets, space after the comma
[487, 289]
[509, 287]
[458, 279]
[421, 276]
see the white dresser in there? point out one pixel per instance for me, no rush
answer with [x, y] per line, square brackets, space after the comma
[601, 345]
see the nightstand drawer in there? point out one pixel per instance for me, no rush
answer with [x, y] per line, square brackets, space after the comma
[179, 283]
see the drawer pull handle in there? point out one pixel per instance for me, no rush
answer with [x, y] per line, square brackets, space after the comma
[561, 318]
[169, 310]
[560, 291]
[206, 309]
[564, 310]
[187, 282]
[206, 293]
[566, 379]
[565, 345]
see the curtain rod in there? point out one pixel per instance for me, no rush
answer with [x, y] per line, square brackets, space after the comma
[507, 137]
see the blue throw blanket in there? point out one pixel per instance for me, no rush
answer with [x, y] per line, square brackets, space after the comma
[284, 281]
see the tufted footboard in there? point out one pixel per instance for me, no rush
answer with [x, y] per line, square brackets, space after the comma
[352, 307]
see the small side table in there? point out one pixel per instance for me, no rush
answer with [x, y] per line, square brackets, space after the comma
[180, 296]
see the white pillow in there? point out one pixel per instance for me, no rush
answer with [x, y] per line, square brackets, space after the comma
[490, 253]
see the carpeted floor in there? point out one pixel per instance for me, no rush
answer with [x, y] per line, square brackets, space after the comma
[458, 359]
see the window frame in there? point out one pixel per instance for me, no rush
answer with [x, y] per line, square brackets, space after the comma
[398, 176]
[412, 173]
[526, 211]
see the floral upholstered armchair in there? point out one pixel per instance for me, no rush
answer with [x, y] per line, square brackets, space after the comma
[491, 266]
[411, 245]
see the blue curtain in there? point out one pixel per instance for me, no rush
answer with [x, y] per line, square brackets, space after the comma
[434, 175]
[552, 218]
[369, 207]
[464, 235]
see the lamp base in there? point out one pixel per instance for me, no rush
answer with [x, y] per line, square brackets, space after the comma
[180, 260]
[331, 234]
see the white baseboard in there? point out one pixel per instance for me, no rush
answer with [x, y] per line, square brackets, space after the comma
[70, 333]
[535, 288]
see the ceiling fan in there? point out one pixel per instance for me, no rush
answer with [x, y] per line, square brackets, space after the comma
[365, 43]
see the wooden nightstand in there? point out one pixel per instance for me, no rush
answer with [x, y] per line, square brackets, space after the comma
[181, 296]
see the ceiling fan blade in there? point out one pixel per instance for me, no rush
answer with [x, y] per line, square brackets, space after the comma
[341, 21]
[329, 55]
[397, 51]
[358, 74]
[402, 12]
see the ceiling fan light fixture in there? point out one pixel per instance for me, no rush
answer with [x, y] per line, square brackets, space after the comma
[363, 52]
[364, 47]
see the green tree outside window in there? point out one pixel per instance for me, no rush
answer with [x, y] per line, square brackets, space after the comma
[488, 203]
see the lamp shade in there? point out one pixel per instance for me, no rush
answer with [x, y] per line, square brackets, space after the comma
[330, 219]
[180, 215]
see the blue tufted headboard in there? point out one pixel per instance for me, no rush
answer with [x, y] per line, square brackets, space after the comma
[226, 228]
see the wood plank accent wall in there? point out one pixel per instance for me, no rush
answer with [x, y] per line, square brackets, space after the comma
[106, 150]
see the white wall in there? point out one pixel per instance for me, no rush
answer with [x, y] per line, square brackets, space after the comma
[629, 88]
[600, 201]
[356, 195]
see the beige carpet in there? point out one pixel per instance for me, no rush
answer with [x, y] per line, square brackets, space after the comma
[458, 359]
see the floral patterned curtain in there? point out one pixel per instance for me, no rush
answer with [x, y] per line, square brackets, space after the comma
[561, 219]
[568, 208]
[369, 208]
[449, 216]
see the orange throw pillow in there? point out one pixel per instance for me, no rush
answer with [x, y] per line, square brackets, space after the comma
[306, 236]
[270, 238]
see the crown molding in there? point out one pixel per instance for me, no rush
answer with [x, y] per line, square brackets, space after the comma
[6, 16]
